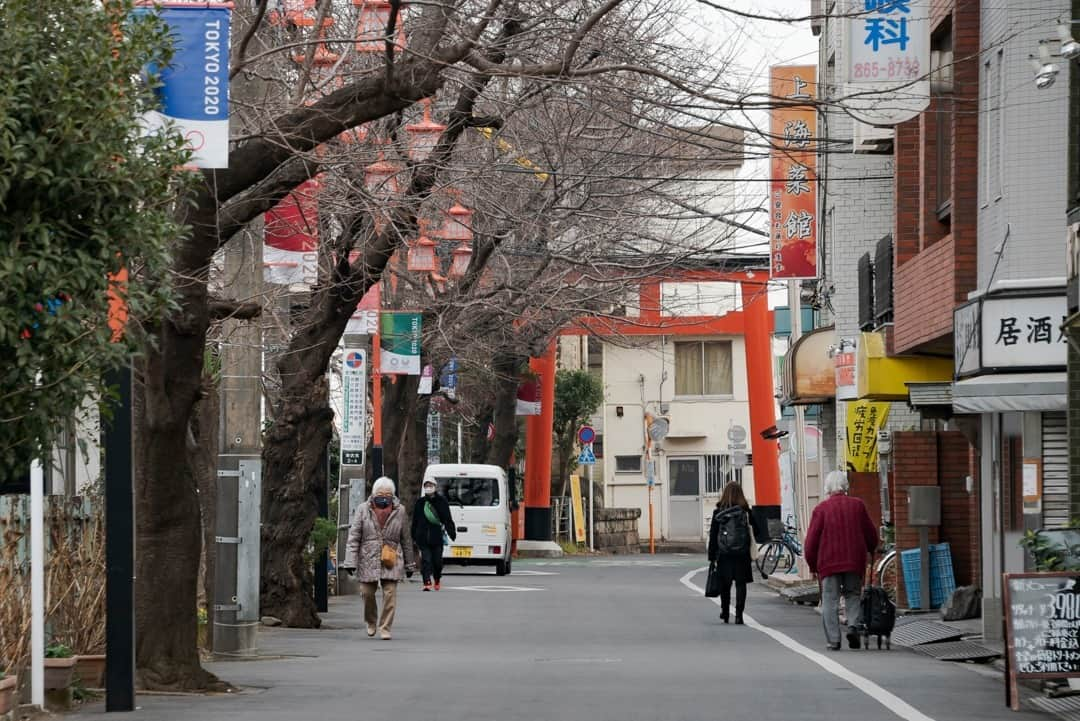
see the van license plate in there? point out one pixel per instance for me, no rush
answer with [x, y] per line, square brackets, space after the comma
[461, 551]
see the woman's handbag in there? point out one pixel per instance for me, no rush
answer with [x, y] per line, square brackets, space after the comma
[712, 582]
[388, 557]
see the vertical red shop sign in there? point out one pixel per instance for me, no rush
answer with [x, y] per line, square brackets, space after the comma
[793, 173]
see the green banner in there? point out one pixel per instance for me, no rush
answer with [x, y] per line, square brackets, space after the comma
[399, 343]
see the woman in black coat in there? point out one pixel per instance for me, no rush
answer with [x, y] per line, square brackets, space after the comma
[430, 518]
[732, 566]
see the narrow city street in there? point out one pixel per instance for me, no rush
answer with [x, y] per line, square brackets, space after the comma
[609, 639]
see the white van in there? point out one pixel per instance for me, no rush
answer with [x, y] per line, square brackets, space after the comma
[479, 499]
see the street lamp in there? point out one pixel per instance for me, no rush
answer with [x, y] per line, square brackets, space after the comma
[380, 178]
[1045, 71]
[323, 55]
[1070, 48]
[424, 136]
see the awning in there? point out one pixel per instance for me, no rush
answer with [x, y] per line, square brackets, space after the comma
[921, 395]
[809, 375]
[881, 377]
[1011, 392]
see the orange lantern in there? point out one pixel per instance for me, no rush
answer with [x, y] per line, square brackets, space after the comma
[459, 265]
[323, 55]
[424, 136]
[380, 178]
[371, 25]
[422, 255]
[458, 224]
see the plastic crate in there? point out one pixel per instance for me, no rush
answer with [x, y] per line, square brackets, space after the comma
[942, 579]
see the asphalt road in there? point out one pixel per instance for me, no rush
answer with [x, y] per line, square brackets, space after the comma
[614, 639]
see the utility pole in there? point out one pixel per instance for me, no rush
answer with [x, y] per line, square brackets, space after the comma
[802, 502]
[237, 536]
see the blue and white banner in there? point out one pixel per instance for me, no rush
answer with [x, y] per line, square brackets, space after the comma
[195, 90]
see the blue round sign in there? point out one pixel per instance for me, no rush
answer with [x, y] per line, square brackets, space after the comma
[586, 434]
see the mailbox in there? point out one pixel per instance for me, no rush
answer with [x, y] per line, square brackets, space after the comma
[924, 505]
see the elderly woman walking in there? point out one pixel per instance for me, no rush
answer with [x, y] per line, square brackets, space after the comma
[840, 537]
[380, 552]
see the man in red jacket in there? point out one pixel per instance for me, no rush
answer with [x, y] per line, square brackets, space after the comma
[840, 536]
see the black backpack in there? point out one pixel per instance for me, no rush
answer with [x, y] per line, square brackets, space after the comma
[732, 532]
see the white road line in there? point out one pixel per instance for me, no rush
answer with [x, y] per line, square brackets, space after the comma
[889, 700]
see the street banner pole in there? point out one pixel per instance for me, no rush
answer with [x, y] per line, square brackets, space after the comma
[37, 584]
[592, 511]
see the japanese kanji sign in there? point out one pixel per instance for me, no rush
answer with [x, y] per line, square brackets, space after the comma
[793, 173]
[864, 420]
[1003, 332]
[887, 60]
[354, 418]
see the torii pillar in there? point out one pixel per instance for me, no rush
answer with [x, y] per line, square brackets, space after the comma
[759, 378]
[538, 430]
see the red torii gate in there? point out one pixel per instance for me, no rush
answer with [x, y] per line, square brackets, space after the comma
[754, 322]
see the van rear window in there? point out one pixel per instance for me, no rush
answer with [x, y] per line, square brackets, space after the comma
[470, 491]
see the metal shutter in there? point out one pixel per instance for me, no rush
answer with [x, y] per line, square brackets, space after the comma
[1055, 453]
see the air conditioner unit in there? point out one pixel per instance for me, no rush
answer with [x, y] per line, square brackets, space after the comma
[871, 138]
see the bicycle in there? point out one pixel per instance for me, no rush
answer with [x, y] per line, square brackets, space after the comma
[780, 552]
[885, 570]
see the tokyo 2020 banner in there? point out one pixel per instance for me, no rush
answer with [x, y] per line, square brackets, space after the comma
[195, 86]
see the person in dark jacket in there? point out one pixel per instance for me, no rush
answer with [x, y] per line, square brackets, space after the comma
[838, 542]
[431, 517]
[732, 566]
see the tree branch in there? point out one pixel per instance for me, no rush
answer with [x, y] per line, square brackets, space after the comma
[226, 309]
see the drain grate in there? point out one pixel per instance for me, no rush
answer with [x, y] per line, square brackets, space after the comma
[958, 651]
[1066, 709]
[916, 633]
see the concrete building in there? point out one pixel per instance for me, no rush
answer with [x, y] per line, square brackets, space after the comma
[1010, 353]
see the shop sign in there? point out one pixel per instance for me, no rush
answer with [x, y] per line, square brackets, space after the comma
[1010, 333]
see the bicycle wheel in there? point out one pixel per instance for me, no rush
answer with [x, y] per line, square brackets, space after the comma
[770, 559]
[786, 561]
[885, 574]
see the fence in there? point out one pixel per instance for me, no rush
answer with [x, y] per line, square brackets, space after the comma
[74, 576]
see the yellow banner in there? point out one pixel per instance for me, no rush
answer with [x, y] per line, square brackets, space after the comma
[864, 420]
[579, 509]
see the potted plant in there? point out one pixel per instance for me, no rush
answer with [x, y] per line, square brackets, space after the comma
[90, 668]
[8, 686]
[59, 666]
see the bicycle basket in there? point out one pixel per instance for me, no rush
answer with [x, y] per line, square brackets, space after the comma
[776, 528]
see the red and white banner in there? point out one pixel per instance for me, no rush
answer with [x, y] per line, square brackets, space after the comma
[291, 249]
[793, 173]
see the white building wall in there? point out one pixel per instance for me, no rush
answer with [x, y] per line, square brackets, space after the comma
[639, 377]
[1023, 150]
[857, 198]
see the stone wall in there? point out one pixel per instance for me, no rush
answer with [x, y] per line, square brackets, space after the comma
[617, 530]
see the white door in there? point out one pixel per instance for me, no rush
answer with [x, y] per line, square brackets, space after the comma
[686, 476]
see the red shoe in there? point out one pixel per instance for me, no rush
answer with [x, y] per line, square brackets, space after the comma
[427, 586]
[438, 585]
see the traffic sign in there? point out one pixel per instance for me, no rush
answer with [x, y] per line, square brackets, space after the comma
[586, 434]
[586, 457]
[739, 459]
[737, 436]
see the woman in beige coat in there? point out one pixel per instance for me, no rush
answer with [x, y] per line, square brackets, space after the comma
[380, 523]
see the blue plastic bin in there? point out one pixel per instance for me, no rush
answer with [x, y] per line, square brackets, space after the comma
[942, 579]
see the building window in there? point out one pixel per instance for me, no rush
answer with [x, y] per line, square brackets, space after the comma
[719, 472]
[703, 368]
[628, 464]
[942, 45]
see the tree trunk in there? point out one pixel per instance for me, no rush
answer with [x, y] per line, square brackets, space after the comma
[168, 525]
[203, 452]
[507, 367]
[478, 442]
[294, 454]
[413, 455]
[395, 414]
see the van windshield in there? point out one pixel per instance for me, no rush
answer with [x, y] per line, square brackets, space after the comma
[470, 491]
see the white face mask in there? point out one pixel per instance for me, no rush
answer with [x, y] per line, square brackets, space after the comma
[429, 490]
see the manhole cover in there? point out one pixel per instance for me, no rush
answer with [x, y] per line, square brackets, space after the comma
[958, 651]
[1066, 709]
[916, 633]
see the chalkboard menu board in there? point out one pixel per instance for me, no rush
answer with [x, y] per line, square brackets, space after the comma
[1042, 626]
